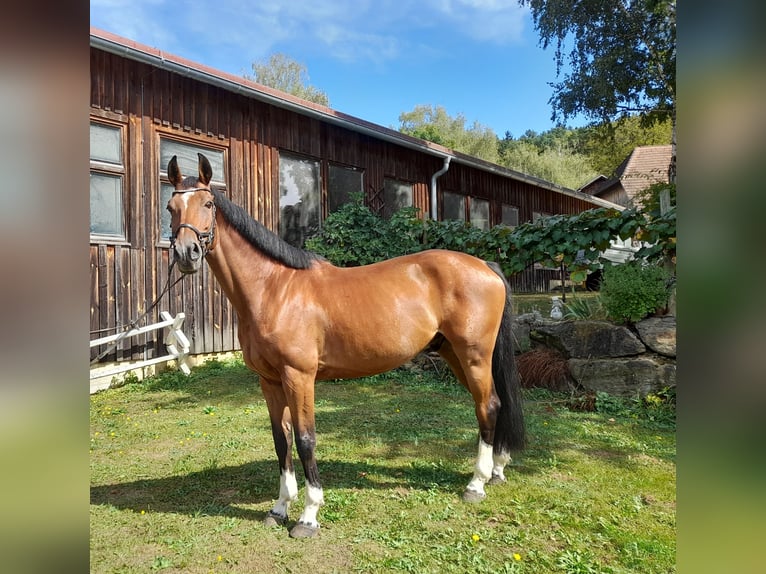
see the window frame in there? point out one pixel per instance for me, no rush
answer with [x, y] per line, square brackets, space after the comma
[352, 168]
[217, 183]
[514, 208]
[385, 212]
[121, 171]
[320, 184]
[472, 201]
[463, 203]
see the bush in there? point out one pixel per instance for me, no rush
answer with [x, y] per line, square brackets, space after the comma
[634, 290]
[354, 235]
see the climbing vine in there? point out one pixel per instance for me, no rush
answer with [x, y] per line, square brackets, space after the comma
[353, 235]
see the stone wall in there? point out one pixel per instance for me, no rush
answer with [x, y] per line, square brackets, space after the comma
[601, 356]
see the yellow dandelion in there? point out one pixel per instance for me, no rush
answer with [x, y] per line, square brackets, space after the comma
[475, 537]
[516, 556]
[220, 558]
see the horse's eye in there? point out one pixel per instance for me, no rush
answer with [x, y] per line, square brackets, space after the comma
[209, 205]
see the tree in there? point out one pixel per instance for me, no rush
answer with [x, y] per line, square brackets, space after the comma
[283, 73]
[556, 164]
[436, 125]
[607, 145]
[622, 61]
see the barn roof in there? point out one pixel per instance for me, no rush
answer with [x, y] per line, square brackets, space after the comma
[130, 49]
[646, 165]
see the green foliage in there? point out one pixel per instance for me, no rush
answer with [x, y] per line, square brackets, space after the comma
[621, 56]
[634, 290]
[283, 73]
[353, 235]
[606, 145]
[564, 167]
[573, 156]
[649, 198]
[584, 308]
[656, 231]
[436, 125]
[656, 410]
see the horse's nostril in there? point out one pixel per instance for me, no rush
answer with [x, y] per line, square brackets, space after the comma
[194, 251]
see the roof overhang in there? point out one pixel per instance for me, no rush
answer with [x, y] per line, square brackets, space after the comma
[114, 44]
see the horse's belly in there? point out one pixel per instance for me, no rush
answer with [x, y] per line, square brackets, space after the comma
[384, 352]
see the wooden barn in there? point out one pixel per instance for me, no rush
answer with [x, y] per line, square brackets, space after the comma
[289, 162]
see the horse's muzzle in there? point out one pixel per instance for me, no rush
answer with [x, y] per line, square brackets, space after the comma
[188, 256]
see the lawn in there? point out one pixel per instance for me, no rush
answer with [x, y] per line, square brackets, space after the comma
[183, 471]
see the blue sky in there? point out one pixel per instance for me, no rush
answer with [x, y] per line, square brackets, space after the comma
[373, 58]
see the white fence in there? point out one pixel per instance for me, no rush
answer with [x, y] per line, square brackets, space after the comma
[176, 343]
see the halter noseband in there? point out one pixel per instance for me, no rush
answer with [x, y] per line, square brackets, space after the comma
[205, 238]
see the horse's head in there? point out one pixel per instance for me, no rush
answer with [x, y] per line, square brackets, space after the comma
[192, 215]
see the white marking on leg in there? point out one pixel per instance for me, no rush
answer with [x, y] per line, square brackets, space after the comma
[288, 491]
[498, 469]
[314, 499]
[483, 469]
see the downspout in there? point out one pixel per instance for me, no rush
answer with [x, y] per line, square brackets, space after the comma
[434, 177]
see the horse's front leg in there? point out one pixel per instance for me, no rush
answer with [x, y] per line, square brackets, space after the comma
[300, 396]
[281, 429]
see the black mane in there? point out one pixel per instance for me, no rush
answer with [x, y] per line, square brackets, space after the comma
[263, 239]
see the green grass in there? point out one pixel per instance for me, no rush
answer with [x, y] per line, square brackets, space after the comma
[183, 471]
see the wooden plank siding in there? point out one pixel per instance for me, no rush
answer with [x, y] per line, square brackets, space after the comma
[151, 102]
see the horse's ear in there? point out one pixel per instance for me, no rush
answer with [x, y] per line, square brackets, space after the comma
[205, 170]
[174, 174]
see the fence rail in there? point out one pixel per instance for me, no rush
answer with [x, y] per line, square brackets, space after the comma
[176, 343]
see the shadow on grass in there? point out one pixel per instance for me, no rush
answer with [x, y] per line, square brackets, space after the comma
[224, 491]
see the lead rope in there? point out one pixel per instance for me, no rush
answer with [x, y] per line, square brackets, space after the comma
[111, 346]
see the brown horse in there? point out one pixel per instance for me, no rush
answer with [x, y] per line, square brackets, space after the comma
[302, 319]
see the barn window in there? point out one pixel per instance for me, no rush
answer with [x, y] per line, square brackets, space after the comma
[343, 181]
[188, 162]
[509, 215]
[107, 182]
[453, 206]
[396, 195]
[299, 198]
[479, 211]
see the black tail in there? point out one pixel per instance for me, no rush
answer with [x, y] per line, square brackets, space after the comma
[509, 429]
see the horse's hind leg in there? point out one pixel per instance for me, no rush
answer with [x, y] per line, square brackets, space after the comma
[281, 429]
[475, 373]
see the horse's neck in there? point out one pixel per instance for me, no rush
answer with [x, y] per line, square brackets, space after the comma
[240, 268]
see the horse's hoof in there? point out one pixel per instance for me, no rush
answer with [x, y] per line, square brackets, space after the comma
[301, 530]
[272, 520]
[472, 496]
[496, 480]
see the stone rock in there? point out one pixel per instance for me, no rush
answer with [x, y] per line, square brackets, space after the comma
[623, 377]
[521, 326]
[659, 334]
[588, 339]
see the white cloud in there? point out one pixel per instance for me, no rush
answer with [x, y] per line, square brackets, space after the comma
[353, 30]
